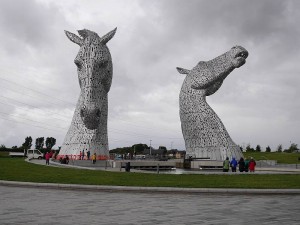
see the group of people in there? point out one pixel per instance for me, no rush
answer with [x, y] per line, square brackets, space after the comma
[244, 165]
[82, 154]
[65, 160]
[88, 156]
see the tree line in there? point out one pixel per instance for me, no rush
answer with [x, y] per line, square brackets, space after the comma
[138, 149]
[134, 149]
[39, 144]
[293, 147]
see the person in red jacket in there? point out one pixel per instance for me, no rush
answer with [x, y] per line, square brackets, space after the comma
[252, 165]
[47, 157]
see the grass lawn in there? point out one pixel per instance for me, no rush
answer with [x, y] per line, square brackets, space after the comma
[16, 169]
[288, 158]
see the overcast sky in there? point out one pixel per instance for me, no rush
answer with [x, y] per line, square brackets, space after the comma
[258, 103]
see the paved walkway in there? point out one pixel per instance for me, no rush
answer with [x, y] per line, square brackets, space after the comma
[23, 205]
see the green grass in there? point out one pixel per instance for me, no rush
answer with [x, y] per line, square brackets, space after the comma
[288, 158]
[3, 154]
[16, 169]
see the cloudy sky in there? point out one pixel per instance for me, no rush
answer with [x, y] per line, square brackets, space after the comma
[258, 103]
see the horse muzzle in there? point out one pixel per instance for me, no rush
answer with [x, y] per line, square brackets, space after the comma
[90, 116]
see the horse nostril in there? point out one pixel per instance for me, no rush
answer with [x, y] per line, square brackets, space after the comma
[82, 113]
[98, 113]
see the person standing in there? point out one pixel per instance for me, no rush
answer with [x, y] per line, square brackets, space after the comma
[246, 165]
[94, 158]
[67, 159]
[252, 165]
[88, 154]
[47, 157]
[83, 154]
[80, 155]
[233, 164]
[226, 165]
[241, 165]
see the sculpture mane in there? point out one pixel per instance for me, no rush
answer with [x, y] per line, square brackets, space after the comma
[203, 131]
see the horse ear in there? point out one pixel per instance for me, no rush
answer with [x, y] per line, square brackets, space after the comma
[183, 71]
[108, 36]
[74, 38]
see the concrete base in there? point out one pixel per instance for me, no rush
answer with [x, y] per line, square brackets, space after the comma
[198, 164]
[143, 164]
[148, 164]
[89, 163]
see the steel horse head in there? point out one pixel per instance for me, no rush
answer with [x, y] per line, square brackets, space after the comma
[94, 66]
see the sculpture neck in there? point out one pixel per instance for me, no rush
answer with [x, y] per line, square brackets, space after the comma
[195, 94]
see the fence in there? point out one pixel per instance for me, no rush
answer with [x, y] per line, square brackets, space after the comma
[274, 164]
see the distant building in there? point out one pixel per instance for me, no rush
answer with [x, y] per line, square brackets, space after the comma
[155, 152]
[174, 153]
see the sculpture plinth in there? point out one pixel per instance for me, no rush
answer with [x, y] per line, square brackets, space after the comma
[204, 133]
[88, 130]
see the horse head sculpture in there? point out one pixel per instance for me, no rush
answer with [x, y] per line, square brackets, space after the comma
[94, 66]
[203, 131]
[88, 130]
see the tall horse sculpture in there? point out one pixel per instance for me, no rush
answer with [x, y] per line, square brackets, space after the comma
[204, 133]
[88, 130]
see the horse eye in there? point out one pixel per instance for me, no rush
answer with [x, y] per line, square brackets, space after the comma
[103, 63]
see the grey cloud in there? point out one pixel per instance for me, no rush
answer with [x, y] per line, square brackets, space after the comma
[28, 22]
[145, 52]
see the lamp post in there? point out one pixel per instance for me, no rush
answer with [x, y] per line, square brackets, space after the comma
[150, 149]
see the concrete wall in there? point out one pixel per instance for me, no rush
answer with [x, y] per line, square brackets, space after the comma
[206, 164]
[89, 163]
[143, 163]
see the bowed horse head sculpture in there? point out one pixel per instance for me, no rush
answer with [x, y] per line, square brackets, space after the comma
[203, 131]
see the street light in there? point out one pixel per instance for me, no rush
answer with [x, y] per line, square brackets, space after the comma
[150, 148]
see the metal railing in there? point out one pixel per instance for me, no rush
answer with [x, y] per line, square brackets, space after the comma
[274, 164]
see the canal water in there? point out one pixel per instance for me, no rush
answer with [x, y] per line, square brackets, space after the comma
[22, 205]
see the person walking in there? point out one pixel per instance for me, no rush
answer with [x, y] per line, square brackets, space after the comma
[233, 164]
[47, 157]
[226, 165]
[94, 158]
[241, 165]
[252, 165]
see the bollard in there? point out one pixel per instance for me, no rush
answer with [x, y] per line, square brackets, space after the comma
[127, 167]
